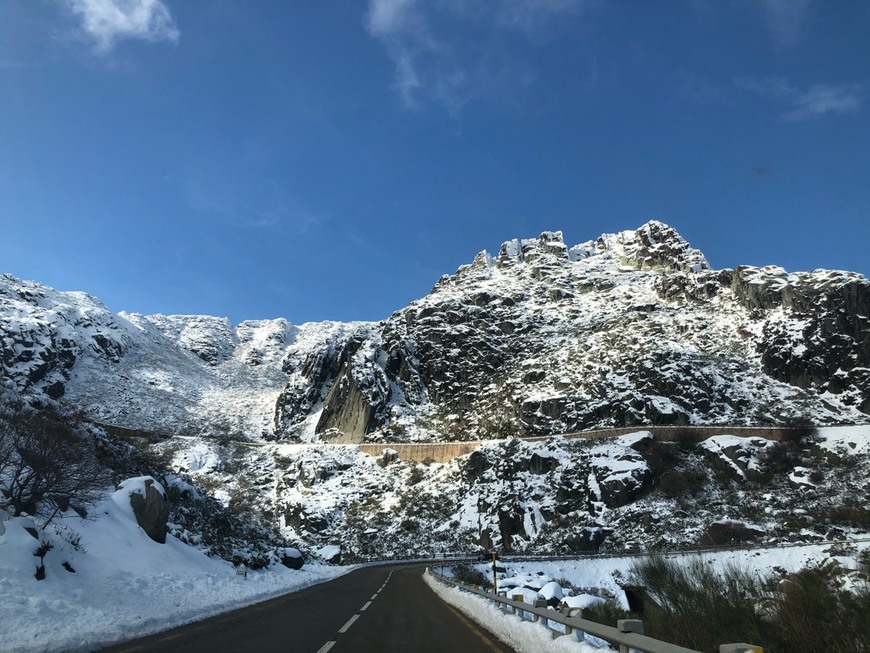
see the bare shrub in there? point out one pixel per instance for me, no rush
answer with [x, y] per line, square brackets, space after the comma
[676, 483]
[48, 460]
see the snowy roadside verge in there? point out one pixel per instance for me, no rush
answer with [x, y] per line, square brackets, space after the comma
[125, 586]
[523, 636]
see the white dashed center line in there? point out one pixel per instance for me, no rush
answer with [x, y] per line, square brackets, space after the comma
[349, 623]
[363, 609]
[326, 647]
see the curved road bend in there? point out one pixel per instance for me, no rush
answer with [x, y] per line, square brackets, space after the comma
[377, 610]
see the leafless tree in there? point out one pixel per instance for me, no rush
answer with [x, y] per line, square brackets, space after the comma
[48, 461]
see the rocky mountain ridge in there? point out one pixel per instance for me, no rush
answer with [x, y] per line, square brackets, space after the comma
[628, 329]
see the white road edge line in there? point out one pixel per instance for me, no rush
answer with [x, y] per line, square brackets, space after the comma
[326, 647]
[363, 609]
[349, 623]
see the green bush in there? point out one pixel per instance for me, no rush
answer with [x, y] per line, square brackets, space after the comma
[470, 576]
[800, 431]
[607, 613]
[780, 457]
[847, 514]
[806, 612]
[676, 483]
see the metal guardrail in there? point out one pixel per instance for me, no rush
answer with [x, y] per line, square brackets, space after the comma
[627, 635]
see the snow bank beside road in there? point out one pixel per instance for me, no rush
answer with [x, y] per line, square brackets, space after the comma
[523, 636]
[124, 585]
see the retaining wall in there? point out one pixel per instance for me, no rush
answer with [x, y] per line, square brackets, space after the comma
[442, 452]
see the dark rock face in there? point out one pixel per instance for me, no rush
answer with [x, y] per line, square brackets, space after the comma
[525, 490]
[588, 539]
[355, 404]
[544, 339]
[831, 350]
[342, 376]
[477, 464]
[151, 511]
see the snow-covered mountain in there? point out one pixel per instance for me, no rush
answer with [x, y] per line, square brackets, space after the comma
[629, 329]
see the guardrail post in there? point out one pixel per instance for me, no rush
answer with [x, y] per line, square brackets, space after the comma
[629, 626]
[566, 610]
[539, 603]
[740, 648]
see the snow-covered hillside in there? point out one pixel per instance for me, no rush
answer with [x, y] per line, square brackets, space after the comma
[559, 496]
[629, 329]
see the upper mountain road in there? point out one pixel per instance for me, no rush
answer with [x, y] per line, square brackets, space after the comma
[375, 609]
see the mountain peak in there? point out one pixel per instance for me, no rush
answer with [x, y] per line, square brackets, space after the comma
[653, 246]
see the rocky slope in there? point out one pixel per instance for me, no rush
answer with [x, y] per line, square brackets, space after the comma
[629, 329]
[632, 328]
[560, 495]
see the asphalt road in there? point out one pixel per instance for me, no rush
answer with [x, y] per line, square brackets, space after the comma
[377, 610]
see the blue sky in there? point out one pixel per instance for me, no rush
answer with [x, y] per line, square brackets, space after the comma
[330, 160]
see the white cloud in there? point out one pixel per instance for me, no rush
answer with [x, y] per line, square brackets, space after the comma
[821, 99]
[810, 102]
[449, 52]
[533, 15]
[786, 19]
[389, 16]
[110, 21]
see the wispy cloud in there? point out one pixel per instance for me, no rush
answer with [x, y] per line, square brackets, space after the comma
[110, 21]
[435, 63]
[786, 19]
[219, 195]
[806, 103]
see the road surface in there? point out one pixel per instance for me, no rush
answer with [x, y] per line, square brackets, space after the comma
[377, 610]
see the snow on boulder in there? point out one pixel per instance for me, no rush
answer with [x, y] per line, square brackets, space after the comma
[523, 594]
[552, 593]
[582, 601]
[144, 499]
[736, 456]
[331, 553]
[639, 441]
[291, 557]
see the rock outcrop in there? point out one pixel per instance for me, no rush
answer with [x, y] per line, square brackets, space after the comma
[151, 510]
[628, 329]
